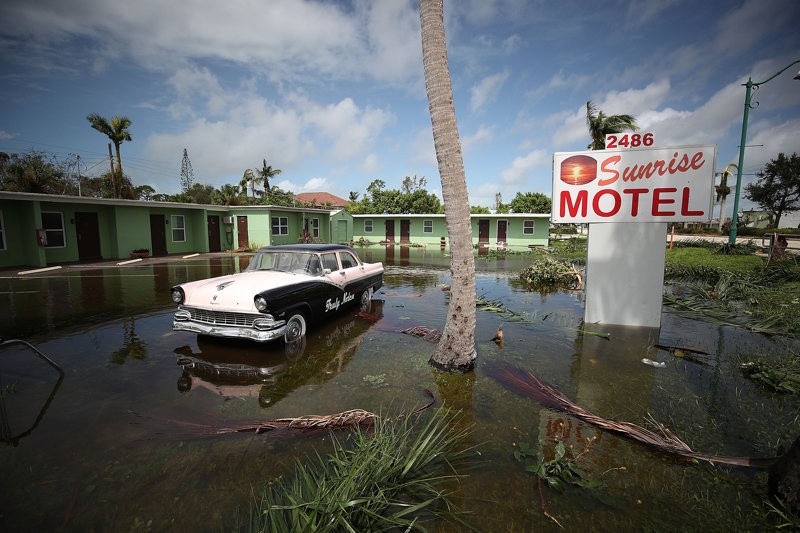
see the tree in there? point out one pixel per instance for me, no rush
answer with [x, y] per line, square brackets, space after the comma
[247, 182]
[265, 173]
[226, 195]
[723, 190]
[117, 131]
[353, 196]
[531, 202]
[456, 349]
[601, 125]
[777, 187]
[411, 185]
[35, 172]
[187, 173]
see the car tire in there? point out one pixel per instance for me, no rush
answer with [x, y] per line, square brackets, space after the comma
[295, 328]
[366, 300]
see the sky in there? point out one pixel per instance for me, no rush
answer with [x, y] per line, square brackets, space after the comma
[332, 92]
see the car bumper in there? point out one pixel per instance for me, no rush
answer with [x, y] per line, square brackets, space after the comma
[230, 331]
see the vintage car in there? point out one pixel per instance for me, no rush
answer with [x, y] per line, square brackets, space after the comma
[282, 291]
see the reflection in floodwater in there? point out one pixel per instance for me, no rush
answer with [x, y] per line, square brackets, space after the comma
[27, 388]
[89, 465]
[132, 346]
[234, 368]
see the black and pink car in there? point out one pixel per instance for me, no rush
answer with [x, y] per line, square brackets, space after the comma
[283, 289]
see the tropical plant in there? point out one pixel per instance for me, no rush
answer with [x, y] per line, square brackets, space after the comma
[390, 478]
[117, 131]
[777, 187]
[723, 190]
[456, 349]
[247, 182]
[226, 195]
[531, 202]
[601, 125]
[265, 173]
[35, 172]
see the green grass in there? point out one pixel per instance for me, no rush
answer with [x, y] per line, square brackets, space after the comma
[707, 258]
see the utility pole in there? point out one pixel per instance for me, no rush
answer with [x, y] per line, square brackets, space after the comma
[113, 181]
[78, 164]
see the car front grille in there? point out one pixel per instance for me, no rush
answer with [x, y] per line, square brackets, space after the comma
[222, 318]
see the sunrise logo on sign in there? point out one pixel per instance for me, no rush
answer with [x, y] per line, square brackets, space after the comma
[578, 170]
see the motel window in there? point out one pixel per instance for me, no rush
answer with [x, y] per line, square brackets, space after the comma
[280, 225]
[2, 232]
[178, 223]
[53, 226]
[427, 226]
[527, 227]
[315, 228]
[368, 225]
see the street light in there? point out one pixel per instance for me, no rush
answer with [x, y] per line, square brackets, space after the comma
[748, 94]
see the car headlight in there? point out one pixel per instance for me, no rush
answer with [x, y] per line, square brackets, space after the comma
[177, 295]
[260, 303]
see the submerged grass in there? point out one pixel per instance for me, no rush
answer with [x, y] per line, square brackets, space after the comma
[395, 476]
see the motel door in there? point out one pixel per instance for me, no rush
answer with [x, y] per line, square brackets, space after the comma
[88, 233]
[405, 231]
[502, 231]
[390, 231]
[483, 232]
[244, 237]
[213, 234]
[158, 235]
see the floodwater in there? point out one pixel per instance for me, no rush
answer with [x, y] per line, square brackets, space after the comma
[124, 439]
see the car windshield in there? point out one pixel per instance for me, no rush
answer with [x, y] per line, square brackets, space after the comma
[286, 261]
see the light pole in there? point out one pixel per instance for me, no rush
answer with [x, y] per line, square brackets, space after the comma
[748, 94]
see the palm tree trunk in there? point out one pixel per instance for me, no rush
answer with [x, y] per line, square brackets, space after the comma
[456, 349]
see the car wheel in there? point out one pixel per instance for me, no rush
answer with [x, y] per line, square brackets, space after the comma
[366, 299]
[295, 328]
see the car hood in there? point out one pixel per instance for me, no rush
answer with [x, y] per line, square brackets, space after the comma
[236, 291]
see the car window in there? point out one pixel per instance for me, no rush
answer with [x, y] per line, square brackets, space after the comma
[329, 261]
[347, 259]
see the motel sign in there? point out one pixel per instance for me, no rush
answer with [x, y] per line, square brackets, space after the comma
[634, 185]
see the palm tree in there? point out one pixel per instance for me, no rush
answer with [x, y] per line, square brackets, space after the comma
[723, 191]
[600, 125]
[117, 132]
[266, 173]
[456, 349]
[227, 195]
[247, 181]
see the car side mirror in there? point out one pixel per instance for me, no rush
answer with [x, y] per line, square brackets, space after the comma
[326, 271]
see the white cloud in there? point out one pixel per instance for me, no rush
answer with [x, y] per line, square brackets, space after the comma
[486, 90]
[482, 135]
[521, 167]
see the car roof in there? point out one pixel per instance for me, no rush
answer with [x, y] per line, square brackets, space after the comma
[306, 247]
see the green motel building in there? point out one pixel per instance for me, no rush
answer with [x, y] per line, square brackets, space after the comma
[40, 230]
[504, 230]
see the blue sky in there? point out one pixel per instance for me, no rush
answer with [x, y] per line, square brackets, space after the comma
[332, 93]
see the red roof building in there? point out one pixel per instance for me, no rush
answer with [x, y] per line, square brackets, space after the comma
[321, 199]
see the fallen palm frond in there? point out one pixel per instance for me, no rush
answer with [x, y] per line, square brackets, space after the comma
[394, 478]
[710, 310]
[781, 376]
[548, 271]
[687, 353]
[353, 418]
[526, 384]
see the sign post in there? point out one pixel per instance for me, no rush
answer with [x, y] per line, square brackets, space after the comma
[628, 197]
